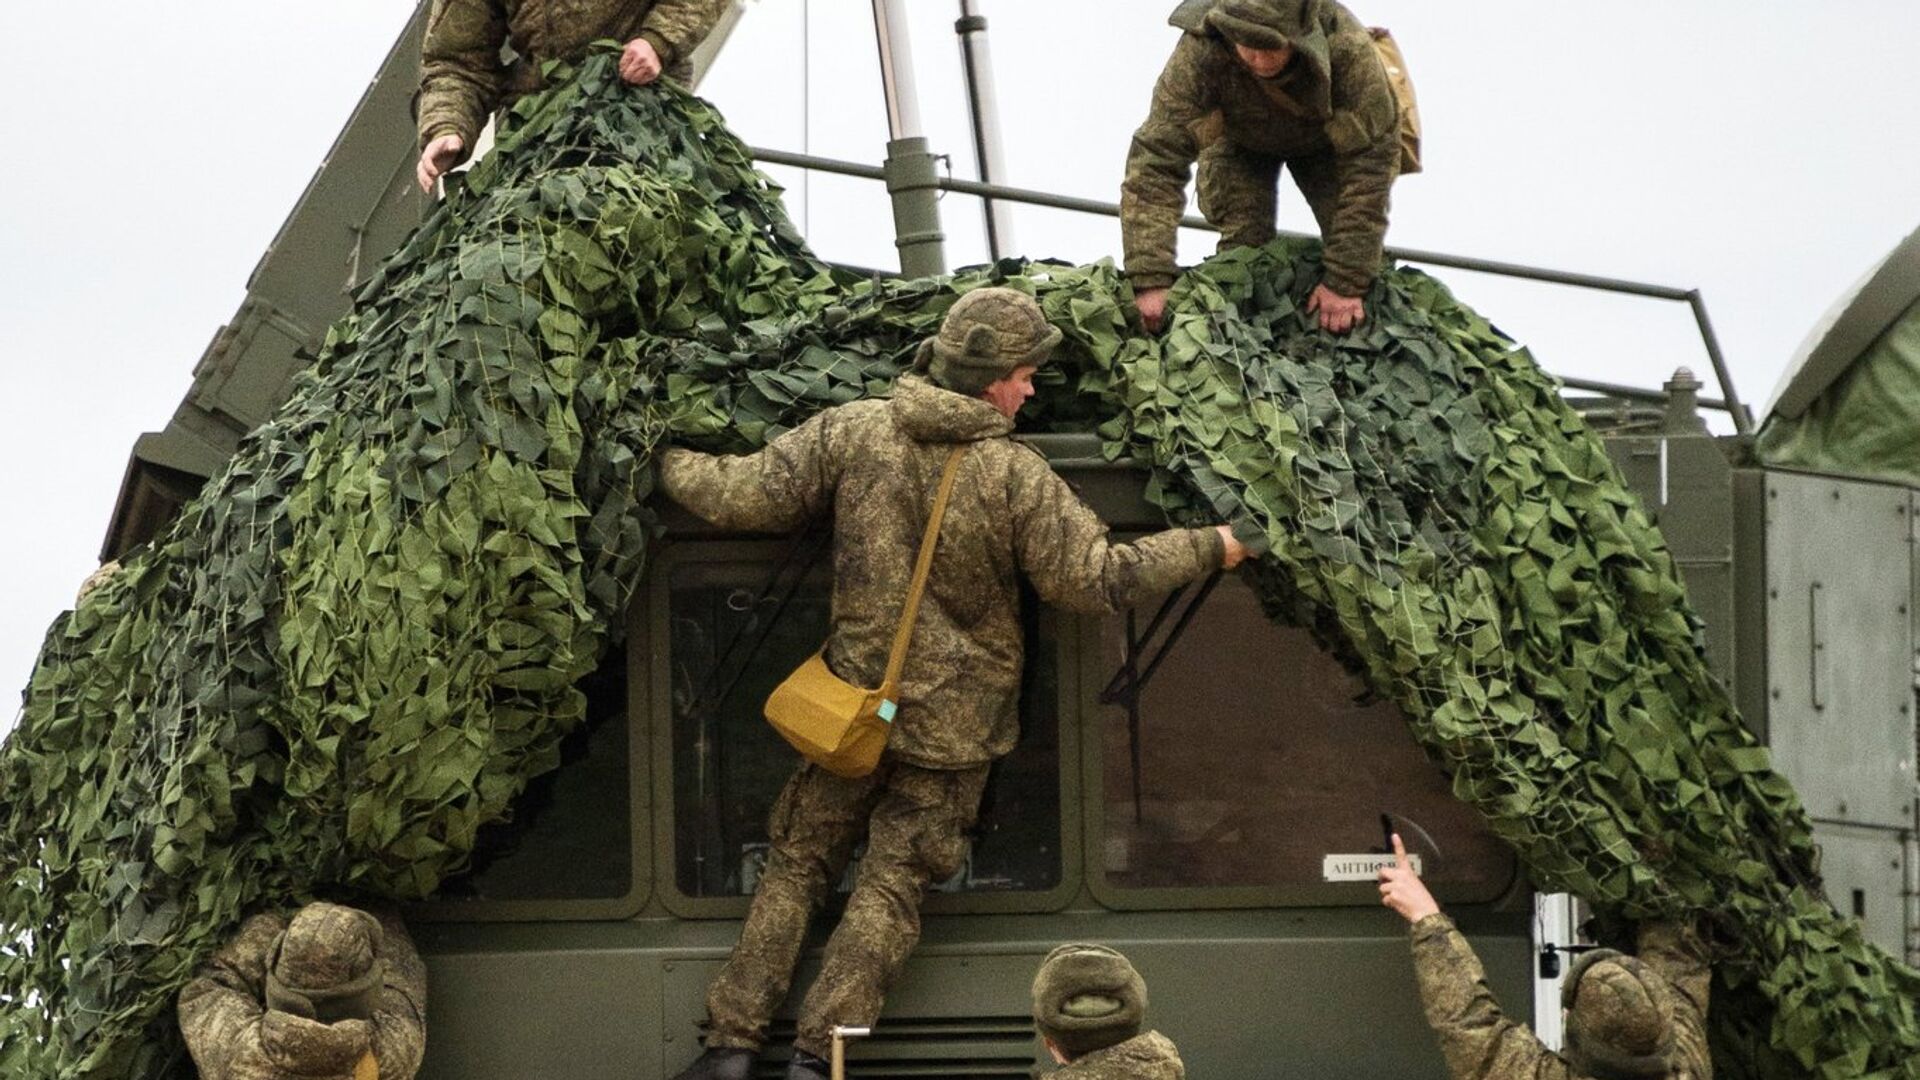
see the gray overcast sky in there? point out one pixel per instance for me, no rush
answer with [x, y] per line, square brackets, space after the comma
[1762, 152]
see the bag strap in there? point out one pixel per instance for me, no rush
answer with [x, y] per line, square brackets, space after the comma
[898, 657]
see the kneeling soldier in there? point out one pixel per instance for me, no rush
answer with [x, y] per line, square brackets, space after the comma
[331, 994]
[1089, 1003]
[1254, 85]
[875, 466]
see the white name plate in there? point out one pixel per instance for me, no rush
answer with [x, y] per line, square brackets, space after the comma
[1359, 867]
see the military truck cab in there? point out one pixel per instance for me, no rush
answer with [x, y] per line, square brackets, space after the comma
[1188, 777]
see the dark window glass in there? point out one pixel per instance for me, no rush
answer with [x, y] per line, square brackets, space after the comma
[1256, 758]
[571, 834]
[731, 642]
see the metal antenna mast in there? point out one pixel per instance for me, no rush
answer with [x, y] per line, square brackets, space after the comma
[976, 62]
[909, 170]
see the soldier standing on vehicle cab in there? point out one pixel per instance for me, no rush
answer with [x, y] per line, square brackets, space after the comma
[1089, 1005]
[875, 465]
[463, 79]
[1254, 85]
[1641, 1016]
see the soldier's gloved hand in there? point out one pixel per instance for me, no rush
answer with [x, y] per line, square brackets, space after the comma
[1338, 314]
[1402, 890]
[1153, 307]
[440, 155]
[1236, 552]
[640, 63]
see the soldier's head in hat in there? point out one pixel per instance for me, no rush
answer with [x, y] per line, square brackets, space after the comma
[327, 966]
[1087, 998]
[1619, 1016]
[1263, 33]
[989, 345]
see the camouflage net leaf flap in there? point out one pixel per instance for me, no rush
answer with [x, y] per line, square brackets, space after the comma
[363, 638]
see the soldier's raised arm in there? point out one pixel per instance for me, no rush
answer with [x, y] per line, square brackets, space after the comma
[1063, 548]
[399, 1021]
[778, 488]
[1159, 165]
[224, 1001]
[1478, 1039]
[673, 29]
[1366, 144]
[461, 81]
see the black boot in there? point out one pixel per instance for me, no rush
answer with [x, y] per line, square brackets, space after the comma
[805, 1066]
[720, 1063]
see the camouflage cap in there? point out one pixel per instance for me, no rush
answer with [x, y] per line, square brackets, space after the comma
[326, 966]
[1619, 1016]
[1257, 24]
[1087, 998]
[986, 335]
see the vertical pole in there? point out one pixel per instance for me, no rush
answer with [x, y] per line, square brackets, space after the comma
[910, 176]
[1683, 405]
[976, 62]
[705, 53]
[1555, 922]
[1742, 419]
[1913, 889]
[896, 69]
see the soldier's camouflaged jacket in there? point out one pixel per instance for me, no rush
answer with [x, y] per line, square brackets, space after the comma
[1147, 1056]
[1482, 1043]
[1329, 115]
[876, 464]
[232, 1035]
[463, 79]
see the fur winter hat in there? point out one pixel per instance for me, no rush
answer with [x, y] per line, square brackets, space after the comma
[326, 966]
[1258, 24]
[986, 335]
[1619, 1017]
[1087, 998]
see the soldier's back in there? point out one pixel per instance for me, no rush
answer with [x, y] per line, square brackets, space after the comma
[1147, 1056]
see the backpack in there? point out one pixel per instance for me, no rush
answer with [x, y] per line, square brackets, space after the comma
[1402, 84]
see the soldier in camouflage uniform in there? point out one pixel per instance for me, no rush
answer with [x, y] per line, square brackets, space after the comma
[463, 79]
[1254, 85]
[332, 994]
[1088, 1004]
[874, 465]
[1627, 1017]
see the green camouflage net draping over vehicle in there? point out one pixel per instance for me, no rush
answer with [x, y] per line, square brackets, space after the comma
[363, 638]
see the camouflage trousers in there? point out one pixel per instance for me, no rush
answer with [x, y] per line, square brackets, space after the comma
[1238, 191]
[915, 821]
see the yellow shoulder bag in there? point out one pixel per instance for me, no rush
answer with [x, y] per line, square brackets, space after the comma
[839, 726]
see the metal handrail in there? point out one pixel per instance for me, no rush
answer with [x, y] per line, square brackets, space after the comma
[1632, 393]
[1729, 401]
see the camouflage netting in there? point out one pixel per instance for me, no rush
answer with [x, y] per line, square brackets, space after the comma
[364, 637]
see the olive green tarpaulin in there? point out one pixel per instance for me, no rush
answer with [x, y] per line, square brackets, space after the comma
[1864, 423]
[361, 640]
